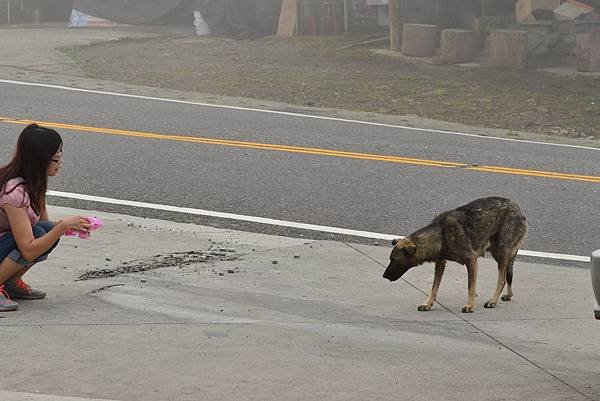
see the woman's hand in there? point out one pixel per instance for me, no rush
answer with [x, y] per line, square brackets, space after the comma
[76, 223]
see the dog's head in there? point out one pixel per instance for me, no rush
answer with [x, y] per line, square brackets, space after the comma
[402, 258]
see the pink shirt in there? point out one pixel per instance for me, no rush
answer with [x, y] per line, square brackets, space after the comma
[16, 197]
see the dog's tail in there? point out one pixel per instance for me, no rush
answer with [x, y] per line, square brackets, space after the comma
[513, 233]
[516, 226]
[521, 228]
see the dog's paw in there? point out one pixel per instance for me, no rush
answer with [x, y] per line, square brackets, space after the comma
[424, 307]
[489, 304]
[506, 297]
[468, 309]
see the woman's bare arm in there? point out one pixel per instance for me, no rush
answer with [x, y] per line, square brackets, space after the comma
[29, 246]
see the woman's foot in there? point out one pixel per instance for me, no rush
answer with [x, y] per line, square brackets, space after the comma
[21, 290]
[5, 303]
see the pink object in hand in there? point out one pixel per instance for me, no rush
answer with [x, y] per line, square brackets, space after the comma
[95, 223]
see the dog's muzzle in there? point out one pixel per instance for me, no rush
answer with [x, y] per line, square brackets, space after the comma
[394, 272]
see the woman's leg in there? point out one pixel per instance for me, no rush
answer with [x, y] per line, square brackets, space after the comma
[15, 286]
[19, 274]
[10, 258]
[7, 269]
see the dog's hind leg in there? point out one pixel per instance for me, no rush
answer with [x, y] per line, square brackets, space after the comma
[502, 273]
[472, 274]
[440, 266]
[505, 248]
[509, 278]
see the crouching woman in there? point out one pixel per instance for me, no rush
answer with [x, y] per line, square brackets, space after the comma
[27, 235]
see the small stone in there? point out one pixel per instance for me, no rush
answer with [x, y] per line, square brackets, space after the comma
[296, 256]
[107, 259]
[143, 280]
[221, 274]
[230, 271]
[275, 262]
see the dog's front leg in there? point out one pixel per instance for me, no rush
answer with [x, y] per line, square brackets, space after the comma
[472, 273]
[437, 279]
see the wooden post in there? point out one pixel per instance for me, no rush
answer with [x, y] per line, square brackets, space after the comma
[345, 15]
[508, 48]
[395, 25]
[419, 40]
[457, 45]
[287, 18]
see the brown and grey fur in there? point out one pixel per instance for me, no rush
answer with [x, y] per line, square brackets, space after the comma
[462, 235]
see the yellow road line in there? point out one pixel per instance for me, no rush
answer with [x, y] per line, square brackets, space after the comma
[313, 151]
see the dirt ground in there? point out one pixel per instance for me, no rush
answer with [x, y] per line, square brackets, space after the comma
[325, 72]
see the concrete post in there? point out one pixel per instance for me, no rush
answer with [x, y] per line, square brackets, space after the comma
[596, 281]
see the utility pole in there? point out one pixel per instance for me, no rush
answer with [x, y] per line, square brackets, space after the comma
[395, 25]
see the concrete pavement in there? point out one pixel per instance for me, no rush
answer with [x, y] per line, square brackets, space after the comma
[32, 48]
[186, 312]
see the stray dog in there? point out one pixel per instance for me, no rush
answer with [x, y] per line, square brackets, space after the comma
[462, 235]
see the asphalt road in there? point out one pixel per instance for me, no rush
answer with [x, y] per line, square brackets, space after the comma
[356, 193]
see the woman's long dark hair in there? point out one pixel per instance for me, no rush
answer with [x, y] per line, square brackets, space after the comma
[35, 148]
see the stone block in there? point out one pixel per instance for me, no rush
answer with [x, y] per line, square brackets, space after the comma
[508, 48]
[420, 40]
[588, 52]
[457, 46]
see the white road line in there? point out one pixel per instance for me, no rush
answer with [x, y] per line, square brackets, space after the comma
[68, 88]
[557, 256]
[281, 223]
[18, 396]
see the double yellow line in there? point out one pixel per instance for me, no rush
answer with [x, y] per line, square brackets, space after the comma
[307, 150]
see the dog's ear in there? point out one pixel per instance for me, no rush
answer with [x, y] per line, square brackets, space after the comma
[394, 242]
[410, 248]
